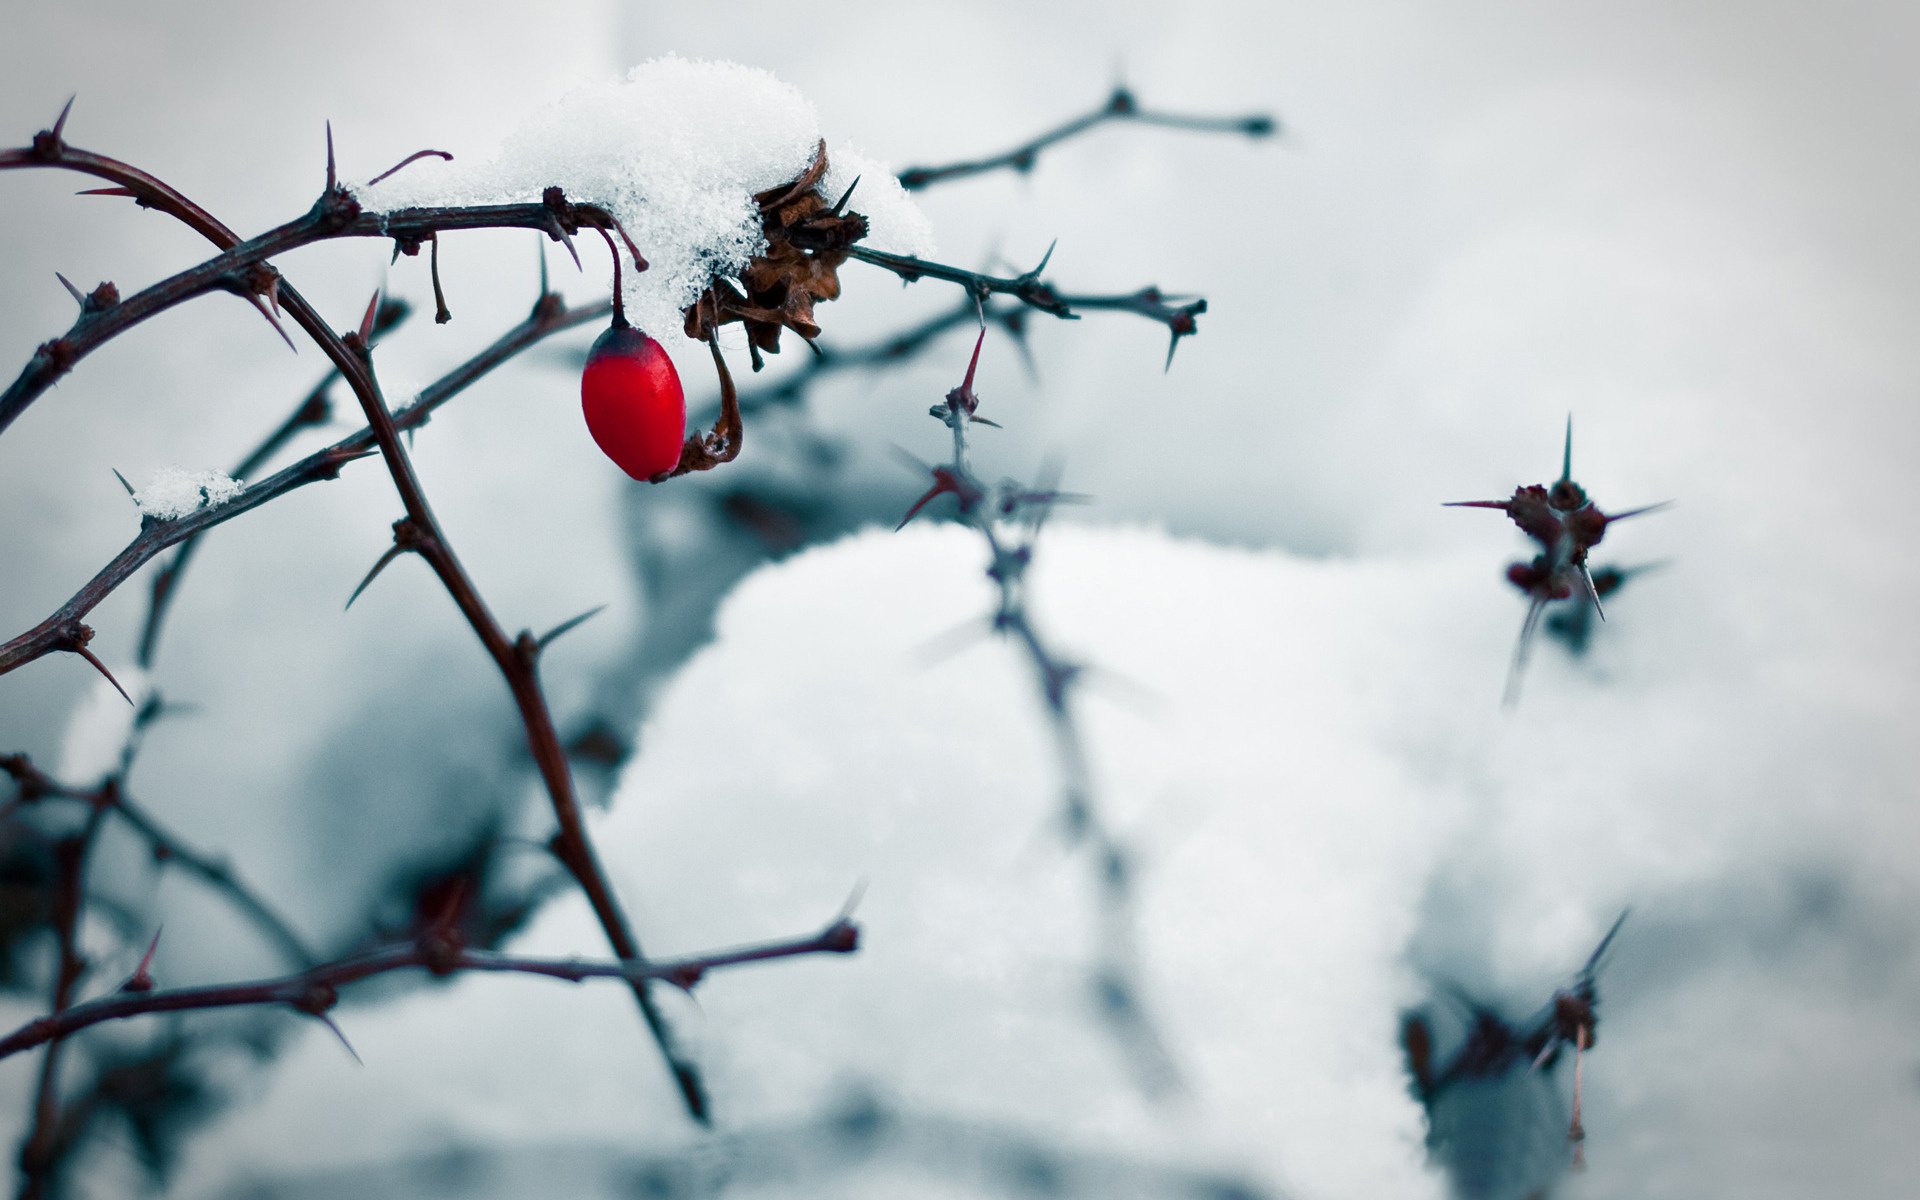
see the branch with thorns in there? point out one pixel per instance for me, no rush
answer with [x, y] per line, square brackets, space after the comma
[316, 990]
[985, 507]
[243, 267]
[1567, 525]
[1120, 106]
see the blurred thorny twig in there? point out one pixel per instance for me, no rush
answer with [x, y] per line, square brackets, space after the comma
[243, 267]
[438, 951]
[1121, 105]
[1009, 517]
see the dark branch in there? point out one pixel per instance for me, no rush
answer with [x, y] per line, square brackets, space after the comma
[56, 631]
[1177, 315]
[315, 991]
[1121, 106]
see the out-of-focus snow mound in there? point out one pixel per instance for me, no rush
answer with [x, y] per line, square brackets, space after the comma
[1310, 758]
[676, 150]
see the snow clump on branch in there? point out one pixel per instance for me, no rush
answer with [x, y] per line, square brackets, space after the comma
[173, 492]
[676, 150]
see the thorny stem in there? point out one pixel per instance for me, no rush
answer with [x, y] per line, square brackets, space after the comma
[898, 347]
[1179, 316]
[1057, 677]
[337, 214]
[314, 991]
[111, 798]
[216, 874]
[241, 267]
[548, 318]
[1120, 106]
[313, 410]
[39, 1154]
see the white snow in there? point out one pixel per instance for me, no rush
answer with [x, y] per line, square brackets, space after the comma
[675, 150]
[1324, 749]
[176, 492]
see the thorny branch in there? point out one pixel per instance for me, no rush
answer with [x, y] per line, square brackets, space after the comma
[337, 214]
[242, 268]
[316, 990]
[984, 507]
[1179, 317]
[166, 847]
[63, 628]
[1120, 106]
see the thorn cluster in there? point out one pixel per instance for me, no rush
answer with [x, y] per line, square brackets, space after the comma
[1566, 524]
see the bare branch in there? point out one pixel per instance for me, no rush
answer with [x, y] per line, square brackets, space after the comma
[315, 991]
[1120, 106]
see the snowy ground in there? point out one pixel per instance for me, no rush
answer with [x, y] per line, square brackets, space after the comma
[1319, 756]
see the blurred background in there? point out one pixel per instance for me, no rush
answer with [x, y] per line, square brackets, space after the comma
[1689, 225]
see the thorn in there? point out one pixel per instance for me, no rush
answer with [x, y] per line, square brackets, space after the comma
[366, 322]
[333, 180]
[1173, 343]
[853, 902]
[379, 565]
[416, 156]
[1044, 259]
[1593, 593]
[1593, 960]
[1637, 512]
[108, 191]
[944, 481]
[562, 236]
[943, 646]
[73, 291]
[327, 1020]
[841, 204]
[142, 979]
[1535, 608]
[60, 122]
[260, 306]
[1502, 505]
[570, 624]
[1566, 454]
[101, 667]
[545, 290]
[123, 480]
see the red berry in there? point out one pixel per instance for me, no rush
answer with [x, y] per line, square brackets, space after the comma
[635, 408]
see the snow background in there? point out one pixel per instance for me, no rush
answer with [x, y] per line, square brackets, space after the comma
[1687, 226]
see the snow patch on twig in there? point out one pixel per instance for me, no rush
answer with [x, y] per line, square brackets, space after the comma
[176, 492]
[676, 150]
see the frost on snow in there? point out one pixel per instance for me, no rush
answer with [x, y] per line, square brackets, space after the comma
[676, 151]
[173, 492]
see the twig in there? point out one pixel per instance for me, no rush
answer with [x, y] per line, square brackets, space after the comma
[1179, 316]
[313, 410]
[155, 536]
[168, 849]
[315, 991]
[38, 1153]
[1057, 678]
[1120, 106]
